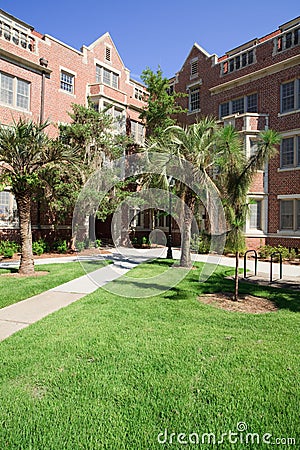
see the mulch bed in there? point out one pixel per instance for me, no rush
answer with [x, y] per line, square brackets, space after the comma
[246, 304]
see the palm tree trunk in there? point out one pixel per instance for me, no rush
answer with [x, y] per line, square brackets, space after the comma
[236, 277]
[27, 262]
[188, 214]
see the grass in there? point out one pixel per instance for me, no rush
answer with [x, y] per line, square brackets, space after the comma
[112, 373]
[13, 290]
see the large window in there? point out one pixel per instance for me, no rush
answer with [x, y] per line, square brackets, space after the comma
[290, 96]
[290, 214]
[194, 99]
[67, 82]
[107, 76]
[248, 103]
[290, 152]
[14, 91]
[8, 209]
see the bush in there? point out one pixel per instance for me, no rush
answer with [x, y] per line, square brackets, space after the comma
[266, 251]
[8, 248]
[98, 243]
[39, 247]
[80, 246]
[61, 246]
[200, 243]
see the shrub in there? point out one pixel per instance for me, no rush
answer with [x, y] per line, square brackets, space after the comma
[292, 254]
[39, 247]
[98, 243]
[8, 248]
[266, 251]
[80, 246]
[61, 246]
[200, 243]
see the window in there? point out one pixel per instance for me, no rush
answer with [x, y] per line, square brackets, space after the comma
[288, 40]
[290, 96]
[119, 120]
[194, 99]
[14, 91]
[8, 209]
[290, 152]
[287, 214]
[137, 131]
[107, 76]
[138, 94]
[67, 82]
[237, 62]
[255, 214]
[252, 103]
[240, 105]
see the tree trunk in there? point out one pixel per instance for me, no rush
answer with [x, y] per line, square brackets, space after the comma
[236, 277]
[188, 214]
[27, 262]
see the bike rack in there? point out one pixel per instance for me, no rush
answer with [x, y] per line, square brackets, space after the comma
[245, 259]
[280, 266]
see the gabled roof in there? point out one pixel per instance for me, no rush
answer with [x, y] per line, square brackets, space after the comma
[102, 38]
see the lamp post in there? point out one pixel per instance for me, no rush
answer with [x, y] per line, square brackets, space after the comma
[169, 241]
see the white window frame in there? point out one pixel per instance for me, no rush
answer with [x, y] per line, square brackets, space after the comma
[72, 76]
[15, 95]
[113, 79]
[137, 131]
[246, 107]
[194, 90]
[296, 96]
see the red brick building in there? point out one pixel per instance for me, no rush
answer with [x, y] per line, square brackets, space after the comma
[40, 78]
[256, 86]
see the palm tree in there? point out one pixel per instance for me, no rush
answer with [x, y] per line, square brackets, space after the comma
[25, 152]
[197, 146]
[234, 181]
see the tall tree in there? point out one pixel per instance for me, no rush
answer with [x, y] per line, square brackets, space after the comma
[161, 103]
[195, 145]
[236, 174]
[25, 152]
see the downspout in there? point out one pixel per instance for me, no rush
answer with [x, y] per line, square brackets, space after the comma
[43, 63]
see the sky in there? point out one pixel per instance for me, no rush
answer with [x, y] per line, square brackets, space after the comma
[155, 33]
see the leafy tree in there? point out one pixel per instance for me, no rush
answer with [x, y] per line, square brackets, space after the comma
[26, 152]
[234, 181]
[161, 105]
[97, 136]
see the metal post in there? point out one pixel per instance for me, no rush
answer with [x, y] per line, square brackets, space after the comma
[169, 252]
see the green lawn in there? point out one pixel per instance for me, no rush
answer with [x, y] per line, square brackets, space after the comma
[112, 373]
[13, 290]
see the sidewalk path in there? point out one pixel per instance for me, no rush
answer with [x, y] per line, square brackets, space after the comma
[21, 314]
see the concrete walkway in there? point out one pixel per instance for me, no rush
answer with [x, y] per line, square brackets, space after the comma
[22, 314]
[19, 315]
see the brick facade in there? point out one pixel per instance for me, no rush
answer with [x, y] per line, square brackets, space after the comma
[256, 70]
[57, 76]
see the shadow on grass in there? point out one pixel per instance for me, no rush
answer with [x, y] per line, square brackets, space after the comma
[218, 282]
